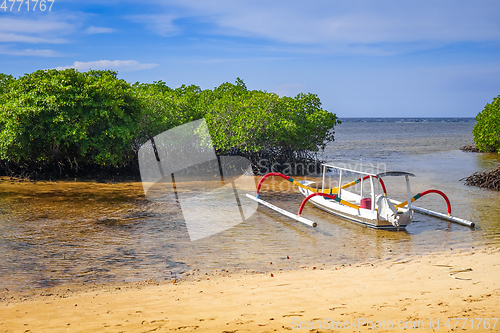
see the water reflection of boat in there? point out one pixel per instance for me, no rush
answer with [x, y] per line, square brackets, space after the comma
[372, 207]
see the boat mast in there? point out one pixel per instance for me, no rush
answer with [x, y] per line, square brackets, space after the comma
[340, 182]
[408, 191]
[372, 194]
[323, 183]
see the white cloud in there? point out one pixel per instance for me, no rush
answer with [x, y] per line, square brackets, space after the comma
[33, 26]
[364, 22]
[289, 89]
[30, 52]
[237, 60]
[29, 39]
[160, 24]
[35, 31]
[99, 30]
[340, 25]
[119, 65]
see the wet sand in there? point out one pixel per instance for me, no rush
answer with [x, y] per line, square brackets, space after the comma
[408, 292]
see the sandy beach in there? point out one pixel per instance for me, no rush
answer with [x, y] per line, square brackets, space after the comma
[416, 293]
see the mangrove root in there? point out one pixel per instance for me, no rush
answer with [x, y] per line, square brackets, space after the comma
[487, 179]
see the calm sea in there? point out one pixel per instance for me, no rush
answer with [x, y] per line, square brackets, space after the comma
[74, 232]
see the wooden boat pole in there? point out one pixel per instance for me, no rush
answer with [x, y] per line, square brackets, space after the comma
[323, 183]
[445, 217]
[437, 214]
[408, 191]
[340, 182]
[372, 194]
[284, 212]
[362, 179]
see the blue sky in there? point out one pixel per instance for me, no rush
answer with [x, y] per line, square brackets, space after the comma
[365, 58]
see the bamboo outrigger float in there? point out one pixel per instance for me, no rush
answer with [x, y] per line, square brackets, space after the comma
[372, 210]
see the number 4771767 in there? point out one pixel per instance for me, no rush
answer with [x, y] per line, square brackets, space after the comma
[27, 5]
[475, 323]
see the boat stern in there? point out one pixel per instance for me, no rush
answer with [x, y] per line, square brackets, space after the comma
[387, 212]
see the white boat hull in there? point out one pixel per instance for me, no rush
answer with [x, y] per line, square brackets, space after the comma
[366, 217]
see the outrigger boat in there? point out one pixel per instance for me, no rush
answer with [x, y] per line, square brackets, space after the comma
[374, 209]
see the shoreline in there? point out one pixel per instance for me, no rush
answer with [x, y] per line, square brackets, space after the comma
[417, 289]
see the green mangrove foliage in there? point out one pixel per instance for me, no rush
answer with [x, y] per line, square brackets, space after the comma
[250, 123]
[5, 81]
[163, 108]
[256, 120]
[67, 117]
[487, 129]
[54, 116]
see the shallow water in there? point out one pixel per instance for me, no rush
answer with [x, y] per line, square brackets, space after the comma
[74, 232]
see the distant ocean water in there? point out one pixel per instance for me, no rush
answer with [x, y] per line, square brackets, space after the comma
[382, 138]
[408, 120]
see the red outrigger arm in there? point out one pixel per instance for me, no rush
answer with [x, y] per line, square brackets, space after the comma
[269, 175]
[421, 194]
[380, 180]
[333, 197]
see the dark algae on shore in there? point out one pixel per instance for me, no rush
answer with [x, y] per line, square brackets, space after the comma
[487, 179]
